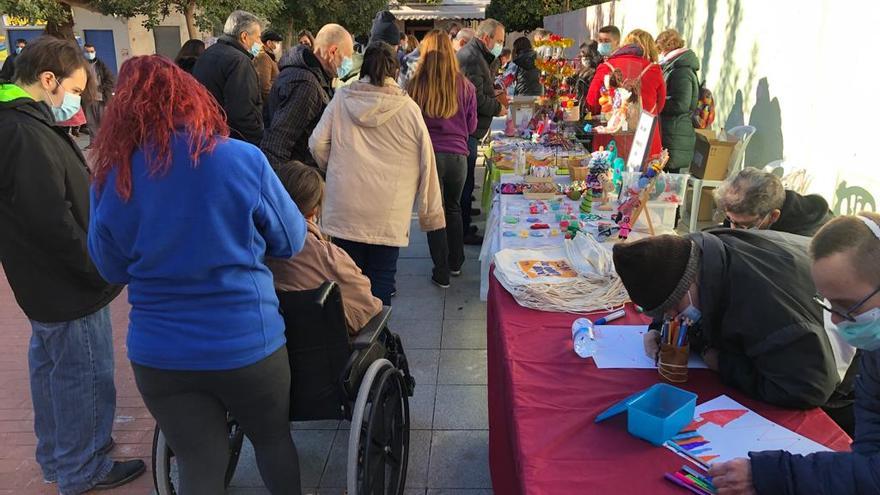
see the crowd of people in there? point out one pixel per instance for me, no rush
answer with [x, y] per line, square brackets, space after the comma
[237, 170]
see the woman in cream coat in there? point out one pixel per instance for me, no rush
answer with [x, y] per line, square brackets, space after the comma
[373, 144]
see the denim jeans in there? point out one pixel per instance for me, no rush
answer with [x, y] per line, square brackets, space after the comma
[71, 369]
[446, 245]
[379, 264]
[468, 190]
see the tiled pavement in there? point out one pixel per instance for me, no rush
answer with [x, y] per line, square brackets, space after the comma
[444, 335]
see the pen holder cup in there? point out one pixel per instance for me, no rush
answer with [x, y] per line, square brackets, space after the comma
[672, 363]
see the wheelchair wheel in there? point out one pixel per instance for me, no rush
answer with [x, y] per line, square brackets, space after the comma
[379, 438]
[165, 476]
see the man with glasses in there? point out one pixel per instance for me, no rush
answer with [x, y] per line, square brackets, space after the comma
[846, 270]
[754, 199]
[749, 294]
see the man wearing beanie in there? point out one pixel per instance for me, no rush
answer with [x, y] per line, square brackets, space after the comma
[751, 293]
[384, 29]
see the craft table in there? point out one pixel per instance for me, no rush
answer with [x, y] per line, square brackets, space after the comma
[543, 399]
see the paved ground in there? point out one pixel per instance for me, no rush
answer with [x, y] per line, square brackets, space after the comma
[445, 339]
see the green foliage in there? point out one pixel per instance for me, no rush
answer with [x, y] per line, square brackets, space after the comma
[526, 15]
[355, 15]
[47, 10]
[207, 14]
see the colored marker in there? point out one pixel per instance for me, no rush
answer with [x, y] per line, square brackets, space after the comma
[687, 481]
[613, 316]
[675, 480]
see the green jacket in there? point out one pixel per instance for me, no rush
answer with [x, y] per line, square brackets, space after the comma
[682, 92]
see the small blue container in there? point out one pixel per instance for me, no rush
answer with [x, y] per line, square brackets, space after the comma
[660, 413]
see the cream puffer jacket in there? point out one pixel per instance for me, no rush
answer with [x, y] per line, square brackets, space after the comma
[374, 146]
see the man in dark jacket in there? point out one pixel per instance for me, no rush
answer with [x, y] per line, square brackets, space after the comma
[104, 83]
[757, 199]
[680, 66]
[8, 69]
[301, 93]
[226, 69]
[751, 296]
[846, 270]
[44, 214]
[474, 59]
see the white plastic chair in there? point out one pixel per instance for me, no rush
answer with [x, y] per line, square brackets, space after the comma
[743, 134]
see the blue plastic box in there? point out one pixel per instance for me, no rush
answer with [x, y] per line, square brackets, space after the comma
[660, 413]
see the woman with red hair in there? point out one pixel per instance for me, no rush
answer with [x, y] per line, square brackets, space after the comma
[184, 216]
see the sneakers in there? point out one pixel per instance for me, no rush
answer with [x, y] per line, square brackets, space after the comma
[439, 283]
[455, 273]
[121, 473]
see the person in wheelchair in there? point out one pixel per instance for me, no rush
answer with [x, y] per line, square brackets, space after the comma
[320, 260]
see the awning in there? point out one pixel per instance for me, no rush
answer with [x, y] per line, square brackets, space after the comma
[418, 12]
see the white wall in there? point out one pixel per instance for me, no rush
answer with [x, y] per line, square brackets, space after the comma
[812, 56]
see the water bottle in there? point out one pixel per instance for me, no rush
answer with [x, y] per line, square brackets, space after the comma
[583, 337]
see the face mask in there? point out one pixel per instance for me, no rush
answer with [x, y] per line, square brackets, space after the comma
[691, 312]
[604, 49]
[864, 333]
[344, 67]
[70, 104]
[255, 48]
[497, 49]
[17, 50]
[91, 55]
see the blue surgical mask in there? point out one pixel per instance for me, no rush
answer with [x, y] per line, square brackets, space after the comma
[91, 55]
[604, 49]
[255, 48]
[864, 333]
[691, 312]
[344, 67]
[497, 49]
[17, 50]
[70, 104]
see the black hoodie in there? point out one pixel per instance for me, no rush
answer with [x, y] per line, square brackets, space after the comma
[295, 105]
[802, 215]
[44, 215]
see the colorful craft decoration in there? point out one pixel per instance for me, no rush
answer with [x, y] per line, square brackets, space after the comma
[635, 196]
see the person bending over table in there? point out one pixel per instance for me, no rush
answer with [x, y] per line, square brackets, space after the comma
[754, 199]
[320, 260]
[846, 269]
[751, 295]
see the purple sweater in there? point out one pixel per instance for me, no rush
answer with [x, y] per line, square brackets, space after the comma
[451, 135]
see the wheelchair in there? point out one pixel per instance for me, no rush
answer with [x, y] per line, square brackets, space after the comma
[364, 379]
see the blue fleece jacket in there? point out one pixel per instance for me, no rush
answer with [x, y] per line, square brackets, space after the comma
[831, 473]
[190, 245]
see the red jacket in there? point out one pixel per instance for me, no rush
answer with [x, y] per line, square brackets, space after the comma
[653, 86]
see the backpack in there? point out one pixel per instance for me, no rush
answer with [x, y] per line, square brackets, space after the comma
[704, 115]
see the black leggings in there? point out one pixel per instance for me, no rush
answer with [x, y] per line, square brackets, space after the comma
[191, 406]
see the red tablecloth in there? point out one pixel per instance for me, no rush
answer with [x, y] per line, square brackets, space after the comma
[543, 399]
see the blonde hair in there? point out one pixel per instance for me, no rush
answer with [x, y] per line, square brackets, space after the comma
[434, 86]
[644, 40]
[411, 43]
[669, 40]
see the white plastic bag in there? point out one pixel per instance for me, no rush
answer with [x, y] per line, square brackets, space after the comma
[588, 256]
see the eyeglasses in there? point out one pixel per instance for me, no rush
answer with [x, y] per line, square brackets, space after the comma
[754, 224]
[848, 314]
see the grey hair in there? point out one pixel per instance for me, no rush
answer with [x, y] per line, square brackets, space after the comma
[466, 34]
[488, 27]
[750, 192]
[240, 21]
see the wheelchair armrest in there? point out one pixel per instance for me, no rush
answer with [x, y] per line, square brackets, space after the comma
[368, 335]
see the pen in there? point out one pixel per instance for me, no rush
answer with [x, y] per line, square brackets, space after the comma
[613, 316]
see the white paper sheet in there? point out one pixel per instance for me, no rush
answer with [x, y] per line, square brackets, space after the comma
[724, 429]
[623, 346]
